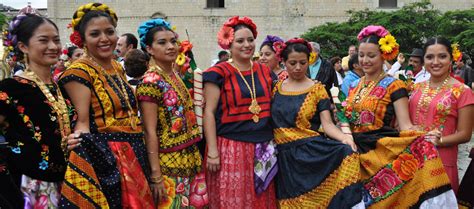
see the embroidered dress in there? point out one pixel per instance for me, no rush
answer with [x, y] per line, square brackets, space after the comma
[33, 159]
[108, 168]
[399, 169]
[234, 185]
[282, 75]
[314, 171]
[178, 132]
[442, 113]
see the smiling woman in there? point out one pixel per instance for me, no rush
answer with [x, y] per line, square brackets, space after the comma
[34, 118]
[107, 118]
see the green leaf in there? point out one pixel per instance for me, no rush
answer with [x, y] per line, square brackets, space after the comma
[341, 96]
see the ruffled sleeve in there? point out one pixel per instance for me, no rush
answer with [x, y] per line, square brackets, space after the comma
[397, 90]
[148, 90]
[75, 73]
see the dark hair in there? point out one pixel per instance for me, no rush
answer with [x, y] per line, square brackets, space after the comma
[269, 44]
[373, 39]
[334, 60]
[131, 39]
[151, 34]
[25, 30]
[70, 51]
[222, 53]
[354, 59]
[136, 63]
[242, 26]
[81, 27]
[295, 47]
[438, 40]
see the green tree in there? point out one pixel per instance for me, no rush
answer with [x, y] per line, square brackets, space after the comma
[411, 25]
[458, 26]
[3, 19]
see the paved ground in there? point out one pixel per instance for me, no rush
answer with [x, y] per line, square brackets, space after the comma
[463, 157]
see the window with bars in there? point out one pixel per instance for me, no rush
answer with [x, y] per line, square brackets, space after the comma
[215, 4]
[388, 3]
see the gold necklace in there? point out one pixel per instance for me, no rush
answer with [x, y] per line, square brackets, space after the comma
[425, 98]
[364, 89]
[120, 88]
[59, 107]
[254, 108]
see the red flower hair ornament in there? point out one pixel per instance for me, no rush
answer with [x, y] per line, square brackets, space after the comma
[279, 47]
[225, 36]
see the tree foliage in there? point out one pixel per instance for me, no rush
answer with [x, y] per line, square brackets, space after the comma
[412, 25]
[3, 19]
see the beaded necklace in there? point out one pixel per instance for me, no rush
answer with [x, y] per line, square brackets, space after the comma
[426, 98]
[175, 82]
[365, 89]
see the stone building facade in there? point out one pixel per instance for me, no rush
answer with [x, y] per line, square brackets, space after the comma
[201, 19]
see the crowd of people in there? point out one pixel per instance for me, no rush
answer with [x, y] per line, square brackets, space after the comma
[102, 124]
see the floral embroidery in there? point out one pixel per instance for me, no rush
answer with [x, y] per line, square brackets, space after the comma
[199, 197]
[17, 148]
[378, 92]
[423, 150]
[394, 175]
[171, 192]
[405, 166]
[170, 98]
[366, 118]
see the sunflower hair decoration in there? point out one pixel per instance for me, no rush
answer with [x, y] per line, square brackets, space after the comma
[387, 43]
[457, 54]
[75, 37]
[225, 36]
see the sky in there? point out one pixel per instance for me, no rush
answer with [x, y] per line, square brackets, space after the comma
[18, 4]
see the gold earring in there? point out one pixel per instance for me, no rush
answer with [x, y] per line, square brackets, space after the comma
[26, 60]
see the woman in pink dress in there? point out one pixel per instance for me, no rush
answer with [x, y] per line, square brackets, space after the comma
[443, 103]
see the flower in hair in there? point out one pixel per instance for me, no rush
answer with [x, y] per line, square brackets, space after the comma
[148, 25]
[76, 39]
[312, 57]
[185, 46]
[272, 39]
[376, 30]
[278, 46]
[387, 43]
[225, 36]
[457, 54]
[181, 59]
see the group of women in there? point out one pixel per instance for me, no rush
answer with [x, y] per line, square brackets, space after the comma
[271, 140]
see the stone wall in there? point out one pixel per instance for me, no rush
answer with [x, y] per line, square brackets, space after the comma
[285, 18]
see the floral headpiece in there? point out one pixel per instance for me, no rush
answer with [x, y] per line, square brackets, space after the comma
[225, 36]
[10, 39]
[75, 37]
[457, 54]
[387, 43]
[148, 25]
[281, 47]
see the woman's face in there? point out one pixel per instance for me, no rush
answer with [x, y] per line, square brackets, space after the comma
[268, 57]
[76, 54]
[100, 38]
[243, 45]
[370, 58]
[437, 60]
[44, 46]
[337, 66]
[297, 65]
[164, 48]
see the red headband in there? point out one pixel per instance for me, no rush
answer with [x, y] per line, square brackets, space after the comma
[225, 36]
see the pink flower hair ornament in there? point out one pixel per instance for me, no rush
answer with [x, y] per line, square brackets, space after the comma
[225, 36]
[387, 43]
[280, 46]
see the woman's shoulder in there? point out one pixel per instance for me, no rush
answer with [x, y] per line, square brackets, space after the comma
[16, 84]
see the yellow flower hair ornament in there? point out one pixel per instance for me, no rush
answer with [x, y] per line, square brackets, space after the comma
[389, 47]
[457, 54]
[312, 57]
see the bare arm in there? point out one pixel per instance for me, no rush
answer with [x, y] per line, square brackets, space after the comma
[211, 96]
[150, 120]
[333, 132]
[401, 111]
[81, 99]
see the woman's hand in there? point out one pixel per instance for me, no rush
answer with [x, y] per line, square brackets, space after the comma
[213, 161]
[434, 137]
[350, 141]
[159, 192]
[74, 140]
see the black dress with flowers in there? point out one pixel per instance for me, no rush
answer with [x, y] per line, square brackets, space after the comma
[31, 136]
